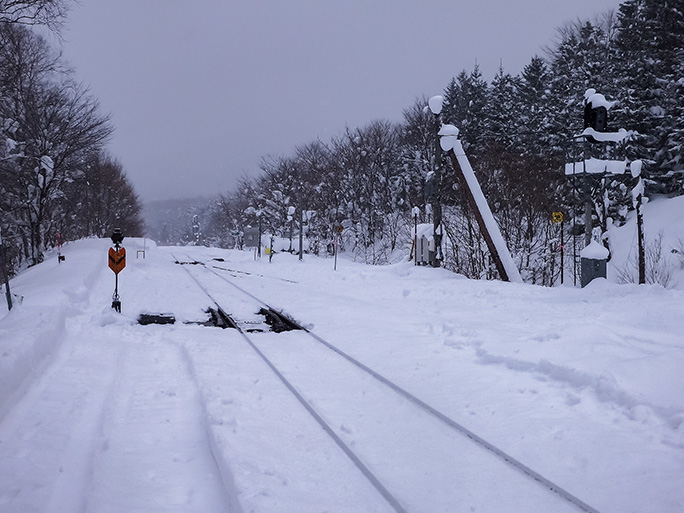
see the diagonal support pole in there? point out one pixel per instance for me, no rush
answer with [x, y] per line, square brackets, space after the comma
[483, 214]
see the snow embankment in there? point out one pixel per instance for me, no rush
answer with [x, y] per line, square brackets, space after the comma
[45, 297]
[22, 360]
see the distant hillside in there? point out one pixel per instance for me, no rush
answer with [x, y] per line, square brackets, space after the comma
[169, 222]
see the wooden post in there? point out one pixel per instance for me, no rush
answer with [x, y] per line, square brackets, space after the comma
[259, 243]
[5, 274]
[638, 196]
[301, 232]
[640, 236]
[562, 250]
[415, 237]
[588, 207]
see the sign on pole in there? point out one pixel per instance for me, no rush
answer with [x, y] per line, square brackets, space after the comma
[117, 259]
[557, 218]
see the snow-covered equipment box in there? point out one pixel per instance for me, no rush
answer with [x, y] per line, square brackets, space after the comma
[593, 263]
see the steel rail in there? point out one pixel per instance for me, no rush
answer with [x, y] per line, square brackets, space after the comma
[490, 447]
[367, 473]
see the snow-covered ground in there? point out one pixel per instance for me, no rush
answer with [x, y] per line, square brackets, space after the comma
[100, 414]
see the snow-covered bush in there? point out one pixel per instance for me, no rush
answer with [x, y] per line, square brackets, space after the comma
[660, 268]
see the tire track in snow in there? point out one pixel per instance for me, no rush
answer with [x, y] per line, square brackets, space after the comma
[46, 440]
[276, 456]
[154, 453]
[114, 424]
[221, 465]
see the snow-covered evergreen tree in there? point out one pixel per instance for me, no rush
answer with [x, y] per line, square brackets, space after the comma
[649, 51]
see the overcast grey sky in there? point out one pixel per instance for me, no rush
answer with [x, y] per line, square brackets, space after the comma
[199, 91]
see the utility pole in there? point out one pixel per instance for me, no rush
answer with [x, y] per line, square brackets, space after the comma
[196, 229]
[562, 249]
[416, 212]
[290, 219]
[301, 232]
[5, 274]
[260, 230]
[588, 211]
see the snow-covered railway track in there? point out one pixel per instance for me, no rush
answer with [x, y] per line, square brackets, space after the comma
[413, 432]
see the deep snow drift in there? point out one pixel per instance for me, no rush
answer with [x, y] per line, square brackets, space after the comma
[100, 414]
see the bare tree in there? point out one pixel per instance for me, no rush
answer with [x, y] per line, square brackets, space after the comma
[59, 125]
[48, 124]
[50, 13]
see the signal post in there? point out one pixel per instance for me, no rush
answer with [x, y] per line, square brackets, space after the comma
[117, 262]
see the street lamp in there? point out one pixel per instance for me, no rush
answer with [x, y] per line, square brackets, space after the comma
[435, 103]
